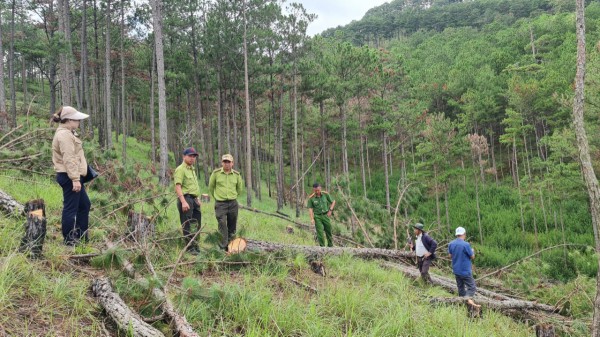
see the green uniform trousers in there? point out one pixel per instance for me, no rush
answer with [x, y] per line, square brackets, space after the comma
[322, 223]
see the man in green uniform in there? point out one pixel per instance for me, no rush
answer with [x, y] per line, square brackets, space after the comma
[320, 206]
[225, 185]
[188, 203]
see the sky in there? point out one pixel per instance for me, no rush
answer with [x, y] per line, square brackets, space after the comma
[332, 13]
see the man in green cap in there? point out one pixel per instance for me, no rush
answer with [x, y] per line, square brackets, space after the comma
[225, 185]
[188, 203]
[320, 207]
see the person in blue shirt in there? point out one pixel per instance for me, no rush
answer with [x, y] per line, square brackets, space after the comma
[462, 254]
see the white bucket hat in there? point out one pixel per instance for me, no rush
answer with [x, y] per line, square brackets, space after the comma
[72, 113]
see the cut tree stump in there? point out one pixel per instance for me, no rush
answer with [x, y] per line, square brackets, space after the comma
[473, 309]
[10, 206]
[289, 229]
[205, 198]
[139, 227]
[35, 228]
[236, 246]
[545, 330]
[125, 318]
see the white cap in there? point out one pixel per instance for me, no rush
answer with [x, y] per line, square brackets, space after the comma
[460, 231]
[72, 113]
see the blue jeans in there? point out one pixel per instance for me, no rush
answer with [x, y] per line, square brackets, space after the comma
[76, 211]
[467, 282]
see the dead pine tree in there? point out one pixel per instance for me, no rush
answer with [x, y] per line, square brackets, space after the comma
[35, 228]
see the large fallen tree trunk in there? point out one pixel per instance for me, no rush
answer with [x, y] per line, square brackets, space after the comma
[500, 301]
[180, 323]
[316, 250]
[126, 319]
[336, 238]
[494, 304]
[9, 205]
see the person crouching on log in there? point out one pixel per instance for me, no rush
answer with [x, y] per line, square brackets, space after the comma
[424, 248]
[320, 207]
[462, 254]
[71, 166]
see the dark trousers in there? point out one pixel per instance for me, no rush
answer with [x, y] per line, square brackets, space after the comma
[190, 220]
[423, 263]
[466, 285]
[76, 211]
[226, 213]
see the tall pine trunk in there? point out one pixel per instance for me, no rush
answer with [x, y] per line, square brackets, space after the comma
[248, 135]
[11, 66]
[589, 175]
[4, 120]
[107, 81]
[162, 98]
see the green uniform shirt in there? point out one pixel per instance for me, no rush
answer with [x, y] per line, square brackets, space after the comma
[185, 176]
[225, 186]
[320, 205]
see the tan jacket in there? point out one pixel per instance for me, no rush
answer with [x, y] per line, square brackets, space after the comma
[67, 154]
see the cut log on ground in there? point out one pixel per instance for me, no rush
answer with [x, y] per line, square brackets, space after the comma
[494, 300]
[336, 238]
[237, 245]
[35, 228]
[316, 250]
[10, 206]
[179, 322]
[139, 227]
[125, 318]
[450, 285]
[473, 309]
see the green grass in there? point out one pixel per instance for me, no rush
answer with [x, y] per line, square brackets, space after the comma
[218, 296]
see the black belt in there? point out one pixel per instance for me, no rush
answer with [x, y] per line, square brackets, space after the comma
[230, 200]
[190, 196]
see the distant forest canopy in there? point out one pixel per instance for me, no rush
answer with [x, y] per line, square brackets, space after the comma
[401, 17]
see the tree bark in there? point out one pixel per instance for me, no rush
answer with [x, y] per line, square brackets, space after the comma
[316, 250]
[125, 318]
[4, 119]
[10, 206]
[123, 111]
[248, 135]
[140, 228]
[107, 81]
[589, 175]
[162, 98]
[491, 303]
[11, 66]
[35, 228]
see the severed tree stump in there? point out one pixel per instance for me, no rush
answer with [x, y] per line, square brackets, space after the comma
[205, 198]
[139, 226]
[237, 245]
[545, 330]
[289, 229]
[473, 309]
[35, 228]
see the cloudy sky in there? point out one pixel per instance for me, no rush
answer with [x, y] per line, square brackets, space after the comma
[332, 13]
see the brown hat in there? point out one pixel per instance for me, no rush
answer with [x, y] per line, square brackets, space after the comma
[227, 157]
[68, 112]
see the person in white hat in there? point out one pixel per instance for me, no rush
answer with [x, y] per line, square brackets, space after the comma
[462, 254]
[71, 167]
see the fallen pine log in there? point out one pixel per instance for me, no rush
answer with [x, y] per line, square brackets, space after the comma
[490, 303]
[337, 238]
[125, 318]
[9, 205]
[179, 322]
[316, 250]
[450, 285]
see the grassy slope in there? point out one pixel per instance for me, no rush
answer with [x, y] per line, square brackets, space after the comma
[50, 297]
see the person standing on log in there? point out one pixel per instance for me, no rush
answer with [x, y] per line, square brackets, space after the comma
[225, 185]
[424, 248]
[188, 202]
[70, 166]
[320, 208]
[462, 254]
